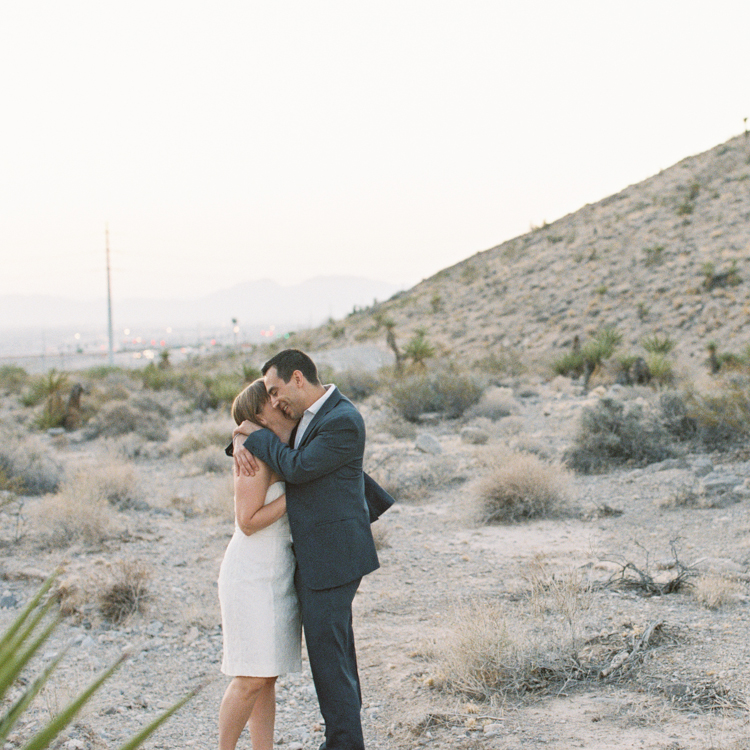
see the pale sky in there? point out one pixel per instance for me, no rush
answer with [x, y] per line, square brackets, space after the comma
[230, 141]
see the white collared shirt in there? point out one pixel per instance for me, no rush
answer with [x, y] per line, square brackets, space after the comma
[310, 412]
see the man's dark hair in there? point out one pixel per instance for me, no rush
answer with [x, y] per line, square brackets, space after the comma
[288, 361]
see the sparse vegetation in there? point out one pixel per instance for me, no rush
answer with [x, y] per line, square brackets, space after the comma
[357, 384]
[418, 349]
[80, 512]
[26, 465]
[519, 487]
[658, 344]
[448, 392]
[13, 379]
[125, 592]
[612, 434]
[654, 255]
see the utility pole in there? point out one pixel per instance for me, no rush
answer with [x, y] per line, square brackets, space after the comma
[109, 299]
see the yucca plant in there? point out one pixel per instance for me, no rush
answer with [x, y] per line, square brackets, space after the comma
[23, 638]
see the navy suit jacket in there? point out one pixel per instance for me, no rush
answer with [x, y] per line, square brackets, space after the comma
[325, 494]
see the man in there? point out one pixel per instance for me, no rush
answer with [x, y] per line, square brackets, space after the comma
[330, 525]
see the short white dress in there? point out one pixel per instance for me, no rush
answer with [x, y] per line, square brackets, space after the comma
[259, 609]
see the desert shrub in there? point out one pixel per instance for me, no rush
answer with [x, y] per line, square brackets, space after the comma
[380, 536]
[485, 652]
[518, 487]
[491, 650]
[714, 591]
[122, 417]
[418, 349]
[25, 462]
[214, 434]
[222, 388]
[721, 416]
[80, 512]
[569, 364]
[609, 434]
[13, 378]
[356, 384]
[126, 591]
[675, 416]
[155, 378]
[211, 460]
[448, 392]
[602, 346]
[45, 386]
[661, 368]
[399, 427]
[113, 480]
[503, 362]
[494, 403]
[657, 345]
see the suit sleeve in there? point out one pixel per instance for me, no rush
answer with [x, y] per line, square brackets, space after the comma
[337, 441]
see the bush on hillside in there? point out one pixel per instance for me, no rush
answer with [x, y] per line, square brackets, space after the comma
[609, 434]
[356, 385]
[722, 416]
[448, 392]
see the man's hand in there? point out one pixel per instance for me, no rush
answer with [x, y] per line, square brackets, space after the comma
[244, 461]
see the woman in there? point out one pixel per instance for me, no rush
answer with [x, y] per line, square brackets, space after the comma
[259, 608]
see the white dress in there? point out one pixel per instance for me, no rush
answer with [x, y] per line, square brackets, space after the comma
[259, 609]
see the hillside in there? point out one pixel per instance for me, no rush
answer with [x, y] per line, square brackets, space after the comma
[669, 255]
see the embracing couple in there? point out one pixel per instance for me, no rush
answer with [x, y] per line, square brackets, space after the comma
[298, 452]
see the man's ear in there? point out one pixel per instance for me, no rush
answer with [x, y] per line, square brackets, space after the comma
[299, 378]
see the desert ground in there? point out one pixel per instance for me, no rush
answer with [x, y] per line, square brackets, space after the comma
[557, 631]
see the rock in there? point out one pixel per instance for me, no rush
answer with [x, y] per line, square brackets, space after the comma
[428, 444]
[718, 482]
[491, 730]
[154, 628]
[702, 466]
[8, 601]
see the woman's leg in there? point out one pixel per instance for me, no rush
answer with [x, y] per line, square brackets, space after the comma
[237, 706]
[263, 717]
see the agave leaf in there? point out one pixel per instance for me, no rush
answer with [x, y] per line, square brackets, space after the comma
[14, 713]
[139, 738]
[47, 734]
[14, 662]
[17, 624]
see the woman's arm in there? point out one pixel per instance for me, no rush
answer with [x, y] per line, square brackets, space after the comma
[249, 498]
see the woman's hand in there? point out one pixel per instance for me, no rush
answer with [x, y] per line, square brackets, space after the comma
[245, 462]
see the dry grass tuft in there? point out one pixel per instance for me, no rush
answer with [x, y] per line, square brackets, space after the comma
[212, 434]
[210, 461]
[518, 487]
[486, 652]
[380, 535]
[80, 512]
[714, 591]
[126, 591]
[494, 404]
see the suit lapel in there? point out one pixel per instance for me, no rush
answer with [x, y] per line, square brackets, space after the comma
[329, 404]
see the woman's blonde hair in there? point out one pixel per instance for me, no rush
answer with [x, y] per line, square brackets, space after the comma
[250, 402]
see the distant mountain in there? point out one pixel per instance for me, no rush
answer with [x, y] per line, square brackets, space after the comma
[255, 304]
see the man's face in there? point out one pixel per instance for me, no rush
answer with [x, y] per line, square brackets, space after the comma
[288, 397]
